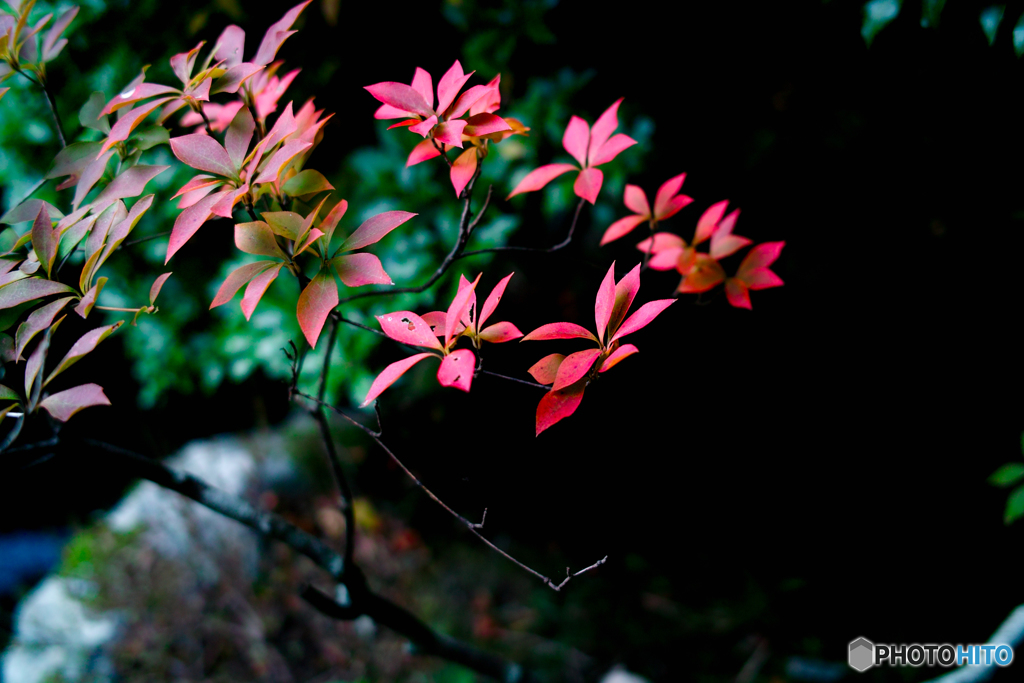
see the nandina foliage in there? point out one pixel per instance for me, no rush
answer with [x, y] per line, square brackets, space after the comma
[251, 161]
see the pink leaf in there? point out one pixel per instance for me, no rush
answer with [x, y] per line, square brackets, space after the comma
[229, 46]
[450, 133]
[85, 345]
[198, 182]
[130, 183]
[576, 138]
[588, 184]
[546, 369]
[435, 319]
[279, 160]
[737, 293]
[424, 85]
[234, 77]
[422, 152]
[85, 306]
[64, 404]
[558, 405]
[467, 100]
[238, 137]
[761, 256]
[237, 278]
[605, 301]
[421, 128]
[724, 244]
[189, 222]
[312, 236]
[642, 317]
[158, 284]
[52, 42]
[485, 124]
[539, 177]
[135, 94]
[400, 96]
[493, 299]
[611, 149]
[257, 238]
[670, 258]
[37, 321]
[625, 292]
[257, 287]
[356, 270]
[225, 207]
[375, 228]
[277, 34]
[708, 220]
[621, 227]
[463, 170]
[674, 206]
[636, 201]
[499, 333]
[408, 328]
[450, 85]
[203, 153]
[456, 308]
[617, 356]
[127, 123]
[457, 369]
[390, 374]
[575, 367]
[44, 239]
[603, 129]
[316, 302]
[560, 331]
[29, 289]
[669, 189]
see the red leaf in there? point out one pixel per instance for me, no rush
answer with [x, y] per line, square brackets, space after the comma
[390, 374]
[708, 220]
[499, 333]
[705, 274]
[576, 138]
[457, 308]
[669, 189]
[316, 302]
[603, 129]
[539, 177]
[625, 292]
[203, 153]
[611, 149]
[64, 404]
[408, 328]
[279, 160]
[463, 170]
[605, 302]
[375, 228]
[21, 291]
[356, 270]
[621, 227]
[158, 284]
[127, 123]
[238, 277]
[588, 184]
[136, 94]
[636, 201]
[457, 369]
[257, 288]
[546, 369]
[617, 356]
[643, 316]
[450, 85]
[560, 331]
[737, 293]
[422, 152]
[238, 137]
[575, 367]
[492, 300]
[401, 97]
[558, 405]
[277, 34]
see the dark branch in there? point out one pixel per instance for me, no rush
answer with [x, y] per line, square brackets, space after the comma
[515, 379]
[539, 250]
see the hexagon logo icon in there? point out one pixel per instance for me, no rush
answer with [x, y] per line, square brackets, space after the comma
[862, 654]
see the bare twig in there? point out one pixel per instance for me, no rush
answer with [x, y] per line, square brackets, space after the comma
[206, 120]
[515, 379]
[474, 528]
[465, 230]
[539, 250]
[41, 84]
[140, 240]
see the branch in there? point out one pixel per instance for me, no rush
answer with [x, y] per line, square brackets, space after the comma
[49, 101]
[540, 250]
[269, 525]
[515, 379]
[474, 528]
[465, 230]
[1010, 632]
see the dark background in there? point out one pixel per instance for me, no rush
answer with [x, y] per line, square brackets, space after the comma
[808, 472]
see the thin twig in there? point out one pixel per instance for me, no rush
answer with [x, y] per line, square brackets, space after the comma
[540, 250]
[516, 379]
[465, 230]
[442, 151]
[41, 84]
[474, 528]
[206, 120]
[140, 240]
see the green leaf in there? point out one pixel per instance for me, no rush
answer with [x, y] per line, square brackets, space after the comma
[1015, 505]
[990, 19]
[8, 394]
[306, 182]
[89, 114]
[150, 137]
[1008, 474]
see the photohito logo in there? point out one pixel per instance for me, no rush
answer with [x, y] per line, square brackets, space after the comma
[864, 654]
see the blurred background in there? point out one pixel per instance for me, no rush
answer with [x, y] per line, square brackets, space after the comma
[768, 485]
